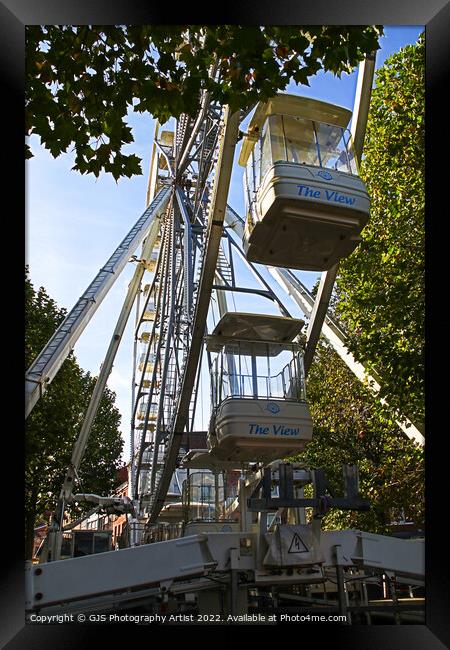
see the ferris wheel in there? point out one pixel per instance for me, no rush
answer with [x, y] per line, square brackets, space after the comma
[305, 208]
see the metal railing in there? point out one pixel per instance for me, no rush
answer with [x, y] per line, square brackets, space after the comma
[288, 384]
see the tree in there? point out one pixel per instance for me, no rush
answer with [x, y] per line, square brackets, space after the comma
[381, 297]
[380, 303]
[53, 425]
[352, 426]
[82, 80]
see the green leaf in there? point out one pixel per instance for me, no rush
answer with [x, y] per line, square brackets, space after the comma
[94, 83]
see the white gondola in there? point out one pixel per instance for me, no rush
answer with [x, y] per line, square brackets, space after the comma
[146, 383]
[306, 204]
[258, 390]
[144, 336]
[150, 426]
[152, 414]
[149, 364]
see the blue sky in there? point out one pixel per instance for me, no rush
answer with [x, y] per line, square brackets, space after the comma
[74, 223]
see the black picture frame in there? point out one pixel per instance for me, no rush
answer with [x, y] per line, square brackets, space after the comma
[435, 15]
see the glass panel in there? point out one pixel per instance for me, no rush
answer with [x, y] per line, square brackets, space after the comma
[246, 385]
[276, 386]
[262, 386]
[250, 186]
[279, 377]
[248, 192]
[266, 154]
[66, 547]
[301, 374]
[257, 164]
[334, 142]
[277, 144]
[348, 142]
[203, 496]
[252, 176]
[225, 387]
[214, 382]
[300, 140]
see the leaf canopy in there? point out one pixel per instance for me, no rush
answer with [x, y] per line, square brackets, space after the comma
[379, 302]
[81, 81]
[381, 286]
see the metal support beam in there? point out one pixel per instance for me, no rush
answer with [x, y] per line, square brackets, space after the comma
[99, 388]
[321, 502]
[214, 235]
[153, 172]
[258, 292]
[188, 252]
[106, 368]
[362, 102]
[342, 596]
[318, 314]
[223, 308]
[183, 163]
[132, 475]
[116, 571]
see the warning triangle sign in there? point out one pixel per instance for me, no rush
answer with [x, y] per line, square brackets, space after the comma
[297, 545]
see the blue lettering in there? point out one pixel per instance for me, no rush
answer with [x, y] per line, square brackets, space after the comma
[281, 430]
[305, 190]
[339, 198]
[331, 195]
[277, 429]
[257, 429]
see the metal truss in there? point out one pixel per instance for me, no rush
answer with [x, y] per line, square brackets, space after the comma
[177, 298]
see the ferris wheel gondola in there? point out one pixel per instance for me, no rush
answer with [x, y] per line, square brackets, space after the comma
[259, 408]
[306, 204]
